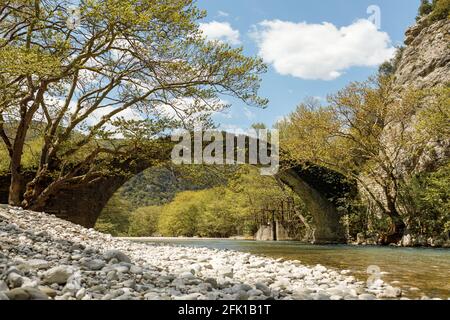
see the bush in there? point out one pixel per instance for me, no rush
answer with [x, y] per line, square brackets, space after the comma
[181, 217]
[363, 217]
[437, 10]
[207, 213]
[424, 9]
[144, 222]
[427, 202]
[388, 68]
[441, 10]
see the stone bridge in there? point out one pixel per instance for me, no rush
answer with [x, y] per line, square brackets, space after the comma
[319, 188]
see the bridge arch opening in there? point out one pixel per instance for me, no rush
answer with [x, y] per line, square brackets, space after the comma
[302, 207]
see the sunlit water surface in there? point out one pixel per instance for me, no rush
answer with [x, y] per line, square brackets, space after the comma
[418, 271]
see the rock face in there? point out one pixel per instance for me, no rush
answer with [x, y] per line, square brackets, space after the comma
[425, 61]
[43, 257]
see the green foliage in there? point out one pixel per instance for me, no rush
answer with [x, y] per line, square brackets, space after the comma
[181, 217]
[389, 68]
[125, 57]
[115, 218]
[441, 10]
[144, 221]
[32, 148]
[158, 186]
[214, 212]
[373, 138]
[155, 186]
[435, 10]
[223, 215]
[19, 60]
[224, 211]
[362, 218]
[233, 208]
[432, 120]
[427, 200]
[425, 8]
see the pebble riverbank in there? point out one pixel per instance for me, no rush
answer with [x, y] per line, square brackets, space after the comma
[43, 257]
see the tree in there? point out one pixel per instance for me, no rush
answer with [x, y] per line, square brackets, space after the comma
[233, 208]
[144, 221]
[181, 216]
[426, 199]
[366, 133]
[115, 218]
[441, 10]
[77, 81]
[389, 68]
[257, 195]
[425, 8]
[436, 10]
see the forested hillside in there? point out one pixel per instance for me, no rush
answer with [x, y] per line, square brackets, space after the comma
[212, 202]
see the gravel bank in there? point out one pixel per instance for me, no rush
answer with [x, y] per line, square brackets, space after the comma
[42, 257]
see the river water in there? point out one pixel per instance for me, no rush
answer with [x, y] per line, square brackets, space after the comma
[418, 271]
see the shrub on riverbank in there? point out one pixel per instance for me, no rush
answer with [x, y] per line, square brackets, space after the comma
[144, 221]
[207, 213]
[428, 204]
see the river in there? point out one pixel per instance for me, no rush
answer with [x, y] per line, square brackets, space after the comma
[418, 271]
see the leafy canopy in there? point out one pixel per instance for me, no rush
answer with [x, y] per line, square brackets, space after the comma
[124, 73]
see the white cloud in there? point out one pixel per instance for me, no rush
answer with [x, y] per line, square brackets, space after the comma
[225, 114]
[221, 13]
[321, 51]
[249, 114]
[221, 31]
[234, 129]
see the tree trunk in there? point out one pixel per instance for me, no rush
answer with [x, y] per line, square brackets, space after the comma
[16, 176]
[16, 161]
[398, 227]
[15, 188]
[34, 189]
[39, 191]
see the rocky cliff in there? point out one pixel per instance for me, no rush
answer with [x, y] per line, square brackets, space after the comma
[425, 61]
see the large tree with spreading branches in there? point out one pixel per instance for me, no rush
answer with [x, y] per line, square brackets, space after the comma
[72, 73]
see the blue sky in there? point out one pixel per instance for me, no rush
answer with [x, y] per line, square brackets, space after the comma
[301, 64]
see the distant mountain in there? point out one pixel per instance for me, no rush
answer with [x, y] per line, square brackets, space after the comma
[157, 186]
